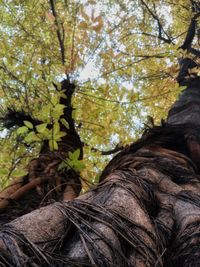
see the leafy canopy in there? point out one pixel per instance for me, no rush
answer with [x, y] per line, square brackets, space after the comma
[120, 54]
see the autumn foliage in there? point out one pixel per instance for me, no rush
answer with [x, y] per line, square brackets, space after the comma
[81, 81]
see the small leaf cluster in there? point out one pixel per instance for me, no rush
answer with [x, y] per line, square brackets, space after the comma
[72, 162]
[44, 131]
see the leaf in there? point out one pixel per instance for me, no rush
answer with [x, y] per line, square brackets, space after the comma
[75, 155]
[19, 173]
[79, 166]
[3, 171]
[92, 2]
[99, 21]
[28, 124]
[56, 128]
[50, 16]
[57, 111]
[59, 107]
[53, 145]
[22, 130]
[63, 94]
[31, 137]
[59, 135]
[83, 25]
[75, 164]
[65, 123]
[41, 127]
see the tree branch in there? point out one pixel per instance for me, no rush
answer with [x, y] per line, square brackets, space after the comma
[60, 38]
[109, 152]
[160, 27]
[192, 30]
[190, 34]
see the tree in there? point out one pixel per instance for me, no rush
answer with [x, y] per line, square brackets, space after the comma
[145, 210]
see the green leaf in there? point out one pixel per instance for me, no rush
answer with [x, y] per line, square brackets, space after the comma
[65, 123]
[19, 173]
[57, 111]
[3, 171]
[28, 124]
[45, 113]
[75, 155]
[56, 128]
[55, 114]
[62, 165]
[41, 127]
[59, 135]
[59, 107]
[79, 166]
[74, 162]
[31, 137]
[63, 94]
[22, 130]
[53, 145]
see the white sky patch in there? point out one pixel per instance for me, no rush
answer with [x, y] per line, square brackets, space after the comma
[128, 85]
[89, 72]
[3, 133]
[165, 11]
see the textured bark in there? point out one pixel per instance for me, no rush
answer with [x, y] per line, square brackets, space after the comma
[187, 108]
[141, 214]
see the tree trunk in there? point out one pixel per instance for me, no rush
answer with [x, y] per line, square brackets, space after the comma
[145, 211]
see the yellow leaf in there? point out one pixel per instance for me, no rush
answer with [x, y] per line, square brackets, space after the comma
[83, 25]
[91, 2]
[98, 19]
[110, 52]
[104, 55]
[99, 26]
[50, 16]
[194, 70]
